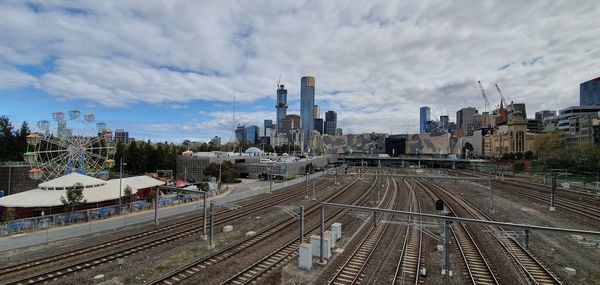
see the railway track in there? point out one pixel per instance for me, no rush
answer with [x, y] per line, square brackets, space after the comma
[351, 271]
[409, 263]
[536, 272]
[184, 273]
[478, 269]
[542, 194]
[287, 252]
[582, 209]
[141, 240]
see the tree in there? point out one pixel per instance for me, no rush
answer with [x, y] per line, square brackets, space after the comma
[468, 147]
[74, 197]
[127, 195]
[7, 139]
[228, 172]
[269, 148]
[518, 166]
[519, 155]
[9, 215]
[528, 155]
[151, 195]
[553, 152]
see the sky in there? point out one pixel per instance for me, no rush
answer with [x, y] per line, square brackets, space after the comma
[169, 70]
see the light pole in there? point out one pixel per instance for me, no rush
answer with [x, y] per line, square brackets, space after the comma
[121, 164]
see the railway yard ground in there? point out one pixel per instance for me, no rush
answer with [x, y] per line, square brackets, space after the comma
[262, 244]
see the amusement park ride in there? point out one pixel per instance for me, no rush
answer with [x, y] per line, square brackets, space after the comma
[84, 148]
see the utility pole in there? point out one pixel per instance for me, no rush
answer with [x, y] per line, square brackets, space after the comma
[553, 193]
[211, 237]
[446, 252]
[301, 224]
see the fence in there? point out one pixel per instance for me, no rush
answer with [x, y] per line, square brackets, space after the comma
[85, 216]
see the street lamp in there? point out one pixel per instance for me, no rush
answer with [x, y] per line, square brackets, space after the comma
[121, 164]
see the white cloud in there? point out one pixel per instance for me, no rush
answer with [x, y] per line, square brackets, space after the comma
[11, 79]
[384, 58]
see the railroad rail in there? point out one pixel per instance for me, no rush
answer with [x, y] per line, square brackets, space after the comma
[286, 252]
[533, 268]
[351, 271]
[187, 229]
[409, 263]
[187, 271]
[477, 266]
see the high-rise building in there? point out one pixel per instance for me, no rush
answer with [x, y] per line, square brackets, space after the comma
[307, 105]
[424, 117]
[252, 134]
[317, 111]
[319, 125]
[541, 115]
[463, 118]
[291, 121]
[589, 92]
[330, 123]
[267, 127]
[444, 120]
[281, 105]
[339, 132]
[121, 136]
[216, 141]
[240, 133]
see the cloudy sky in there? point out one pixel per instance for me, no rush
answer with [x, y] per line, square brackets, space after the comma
[168, 70]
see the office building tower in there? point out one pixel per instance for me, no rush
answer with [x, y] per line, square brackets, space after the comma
[291, 121]
[319, 125]
[339, 132]
[541, 115]
[240, 133]
[424, 117]
[216, 141]
[317, 111]
[444, 120]
[463, 118]
[121, 136]
[330, 123]
[252, 134]
[307, 105]
[519, 107]
[589, 92]
[281, 105]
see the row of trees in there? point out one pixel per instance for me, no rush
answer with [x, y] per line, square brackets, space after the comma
[554, 154]
[13, 142]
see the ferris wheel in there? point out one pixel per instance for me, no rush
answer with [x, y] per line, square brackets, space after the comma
[70, 144]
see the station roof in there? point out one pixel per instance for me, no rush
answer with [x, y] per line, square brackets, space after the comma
[48, 198]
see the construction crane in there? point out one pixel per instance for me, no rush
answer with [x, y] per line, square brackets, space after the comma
[485, 98]
[503, 99]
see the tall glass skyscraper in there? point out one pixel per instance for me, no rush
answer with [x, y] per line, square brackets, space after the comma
[330, 123]
[281, 106]
[589, 92]
[307, 106]
[424, 118]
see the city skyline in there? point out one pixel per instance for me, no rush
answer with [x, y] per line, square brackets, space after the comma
[168, 81]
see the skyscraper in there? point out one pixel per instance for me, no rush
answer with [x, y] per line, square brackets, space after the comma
[317, 111]
[463, 118]
[252, 134]
[330, 123]
[307, 105]
[425, 116]
[589, 92]
[281, 105]
[319, 125]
